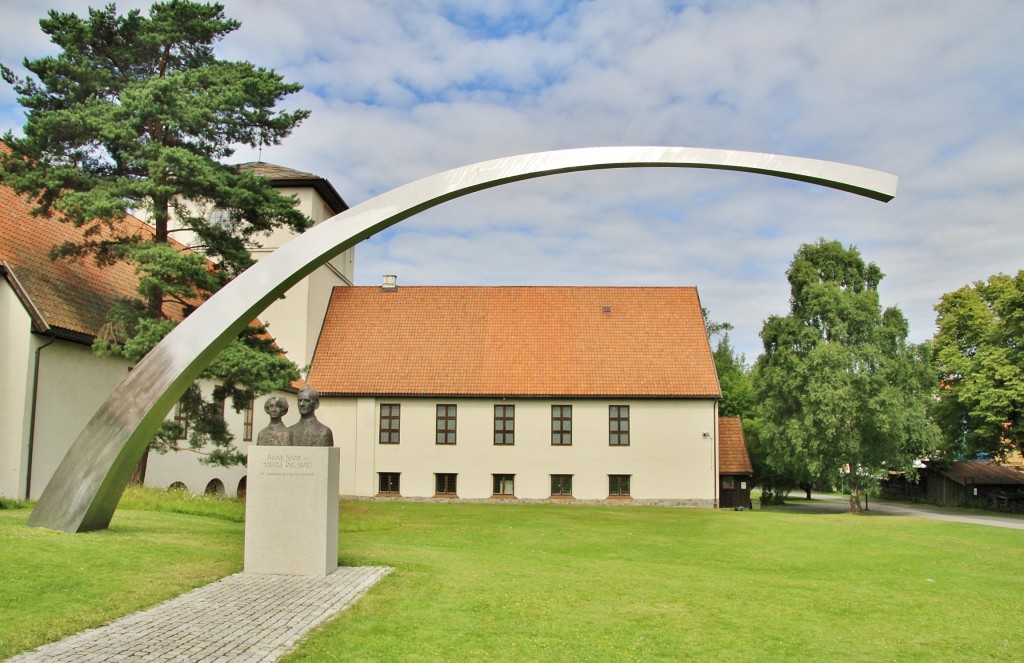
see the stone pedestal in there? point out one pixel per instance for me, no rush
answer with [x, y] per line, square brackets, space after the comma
[291, 510]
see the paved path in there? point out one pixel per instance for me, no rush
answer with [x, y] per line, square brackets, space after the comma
[244, 617]
[841, 504]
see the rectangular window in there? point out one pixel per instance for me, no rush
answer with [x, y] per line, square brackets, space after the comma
[504, 424]
[561, 424]
[444, 484]
[181, 418]
[504, 485]
[247, 422]
[390, 413]
[618, 485]
[445, 424]
[618, 425]
[388, 483]
[561, 485]
[728, 483]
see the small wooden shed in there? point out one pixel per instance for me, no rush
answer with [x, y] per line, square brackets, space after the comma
[976, 483]
[734, 469]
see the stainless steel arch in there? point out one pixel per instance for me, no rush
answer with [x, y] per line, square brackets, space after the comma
[86, 487]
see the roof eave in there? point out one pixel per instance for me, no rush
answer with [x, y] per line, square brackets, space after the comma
[324, 188]
[39, 323]
[496, 396]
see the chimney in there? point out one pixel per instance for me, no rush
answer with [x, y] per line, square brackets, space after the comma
[390, 283]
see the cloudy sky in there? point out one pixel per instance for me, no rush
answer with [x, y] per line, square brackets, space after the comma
[929, 91]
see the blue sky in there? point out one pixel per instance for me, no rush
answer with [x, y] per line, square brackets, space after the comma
[931, 92]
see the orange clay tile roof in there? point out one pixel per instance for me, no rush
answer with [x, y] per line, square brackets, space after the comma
[71, 295]
[515, 341]
[732, 449]
[74, 296]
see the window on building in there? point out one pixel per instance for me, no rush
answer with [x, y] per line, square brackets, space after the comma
[181, 418]
[561, 424]
[504, 424]
[618, 485]
[390, 414]
[445, 424]
[618, 425]
[561, 485]
[504, 485]
[444, 484]
[247, 422]
[729, 483]
[388, 483]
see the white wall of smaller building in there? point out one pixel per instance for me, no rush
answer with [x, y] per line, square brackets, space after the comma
[17, 356]
[73, 383]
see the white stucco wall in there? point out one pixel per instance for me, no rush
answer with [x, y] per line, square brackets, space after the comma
[73, 383]
[16, 359]
[295, 320]
[668, 457]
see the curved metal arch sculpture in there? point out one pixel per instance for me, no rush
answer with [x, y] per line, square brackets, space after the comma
[85, 489]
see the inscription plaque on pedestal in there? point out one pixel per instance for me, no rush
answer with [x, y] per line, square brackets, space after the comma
[291, 510]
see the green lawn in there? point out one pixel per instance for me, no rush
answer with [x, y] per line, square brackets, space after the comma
[55, 584]
[569, 583]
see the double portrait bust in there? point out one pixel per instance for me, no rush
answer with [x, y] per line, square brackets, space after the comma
[308, 432]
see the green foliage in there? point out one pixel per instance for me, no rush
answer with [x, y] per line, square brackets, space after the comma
[733, 372]
[838, 385]
[713, 327]
[134, 115]
[734, 376]
[979, 349]
[8, 503]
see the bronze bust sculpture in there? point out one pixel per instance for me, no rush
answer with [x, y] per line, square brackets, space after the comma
[276, 434]
[309, 432]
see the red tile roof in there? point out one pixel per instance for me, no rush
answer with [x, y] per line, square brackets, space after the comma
[71, 295]
[514, 341]
[732, 448]
[74, 296]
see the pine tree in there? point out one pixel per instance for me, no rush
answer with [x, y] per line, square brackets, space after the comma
[136, 115]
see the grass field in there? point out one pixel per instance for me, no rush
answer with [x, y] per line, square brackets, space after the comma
[570, 583]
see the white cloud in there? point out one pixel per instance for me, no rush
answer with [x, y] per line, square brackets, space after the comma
[401, 90]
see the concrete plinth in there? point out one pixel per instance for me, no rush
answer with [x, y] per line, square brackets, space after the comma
[291, 510]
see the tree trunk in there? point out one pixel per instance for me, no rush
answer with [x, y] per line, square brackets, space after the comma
[855, 500]
[161, 222]
[139, 475]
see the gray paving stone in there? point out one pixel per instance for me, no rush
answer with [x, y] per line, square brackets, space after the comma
[245, 617]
